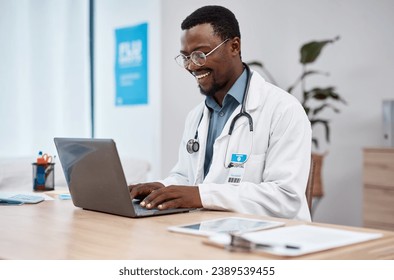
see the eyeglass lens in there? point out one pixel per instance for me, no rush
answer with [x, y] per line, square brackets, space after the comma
[197, 57]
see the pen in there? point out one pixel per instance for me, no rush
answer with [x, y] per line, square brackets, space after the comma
[267, 245]
[239, 243]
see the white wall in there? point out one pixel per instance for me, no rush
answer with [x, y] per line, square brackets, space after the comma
[135, 129]
[44, 75]
[361, 66]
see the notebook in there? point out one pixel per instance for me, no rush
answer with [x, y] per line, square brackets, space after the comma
[19, 198]
[95, 178]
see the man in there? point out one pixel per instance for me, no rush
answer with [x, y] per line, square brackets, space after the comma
[257, 162]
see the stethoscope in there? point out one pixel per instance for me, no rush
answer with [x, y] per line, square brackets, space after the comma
[193, 145]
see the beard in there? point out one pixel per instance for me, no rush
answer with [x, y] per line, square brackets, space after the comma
[212, 90]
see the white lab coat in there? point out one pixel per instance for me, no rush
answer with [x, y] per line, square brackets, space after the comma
[277, 168]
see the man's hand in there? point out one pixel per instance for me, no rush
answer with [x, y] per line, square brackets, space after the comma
[140, 191]
[167, 197]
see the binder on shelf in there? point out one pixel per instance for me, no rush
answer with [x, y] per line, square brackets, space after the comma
[388, 123]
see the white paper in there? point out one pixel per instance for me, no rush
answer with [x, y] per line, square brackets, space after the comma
[306, 238]
[10, 194]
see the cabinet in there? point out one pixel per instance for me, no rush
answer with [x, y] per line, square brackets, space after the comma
[378, 179]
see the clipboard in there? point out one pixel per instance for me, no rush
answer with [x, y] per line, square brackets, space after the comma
[292, 241]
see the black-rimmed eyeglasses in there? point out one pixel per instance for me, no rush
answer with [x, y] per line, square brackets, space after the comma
[197, 57]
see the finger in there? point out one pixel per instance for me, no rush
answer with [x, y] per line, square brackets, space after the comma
[174, 203]
[133, 186]
[140, 191]
[149, 200]
[158, 197]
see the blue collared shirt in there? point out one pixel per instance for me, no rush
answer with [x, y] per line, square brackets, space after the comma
[220, 115]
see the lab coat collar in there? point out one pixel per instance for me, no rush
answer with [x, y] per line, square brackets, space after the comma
[257, 94]
[256, 98]
[236, 92]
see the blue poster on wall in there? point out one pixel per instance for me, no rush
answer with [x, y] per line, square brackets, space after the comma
[131, 65]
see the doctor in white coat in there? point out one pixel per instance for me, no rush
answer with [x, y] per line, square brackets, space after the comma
[247, 148]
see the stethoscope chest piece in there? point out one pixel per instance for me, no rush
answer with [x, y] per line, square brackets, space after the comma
[192, 146]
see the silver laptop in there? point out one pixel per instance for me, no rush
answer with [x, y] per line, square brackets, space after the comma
[95, 178]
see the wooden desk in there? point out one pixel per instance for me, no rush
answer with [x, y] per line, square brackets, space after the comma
[58, 230]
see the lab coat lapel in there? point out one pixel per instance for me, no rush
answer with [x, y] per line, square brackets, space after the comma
[241, 133]
[202, 138]
[252, 102]
[238, 123]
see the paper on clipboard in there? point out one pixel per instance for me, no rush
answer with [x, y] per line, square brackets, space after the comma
[299, 240]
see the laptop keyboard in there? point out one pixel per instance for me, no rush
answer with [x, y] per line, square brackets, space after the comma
[139, 209]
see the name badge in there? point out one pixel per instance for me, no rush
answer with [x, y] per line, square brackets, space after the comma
[237, 169]
[238, 158]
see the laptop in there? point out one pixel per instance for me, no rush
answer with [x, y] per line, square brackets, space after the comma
[95, 178]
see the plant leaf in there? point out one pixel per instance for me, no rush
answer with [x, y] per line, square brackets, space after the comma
[325, 105]
[307, 109]
[255, 63]
[320, 108]
[315, 142]
[309, 52]
[263, 69]
[323, 94]
[303, 75]
[312, 72]
[325, 124]
[336, 96]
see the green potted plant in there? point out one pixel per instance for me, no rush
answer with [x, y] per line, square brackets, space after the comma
[315, 100]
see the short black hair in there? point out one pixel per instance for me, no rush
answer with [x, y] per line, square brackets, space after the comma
[223, 21]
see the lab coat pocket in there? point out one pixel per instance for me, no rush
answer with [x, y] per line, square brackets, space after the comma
[254, 168]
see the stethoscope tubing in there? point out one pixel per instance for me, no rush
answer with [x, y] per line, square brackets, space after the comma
[193, 145]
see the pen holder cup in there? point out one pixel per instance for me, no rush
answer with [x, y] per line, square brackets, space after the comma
[43, 176]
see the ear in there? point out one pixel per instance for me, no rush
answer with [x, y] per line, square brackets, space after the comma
[235, 46]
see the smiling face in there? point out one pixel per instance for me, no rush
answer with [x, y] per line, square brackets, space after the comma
[222, 67]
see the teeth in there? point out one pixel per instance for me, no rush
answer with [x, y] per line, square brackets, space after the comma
[202, 75]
